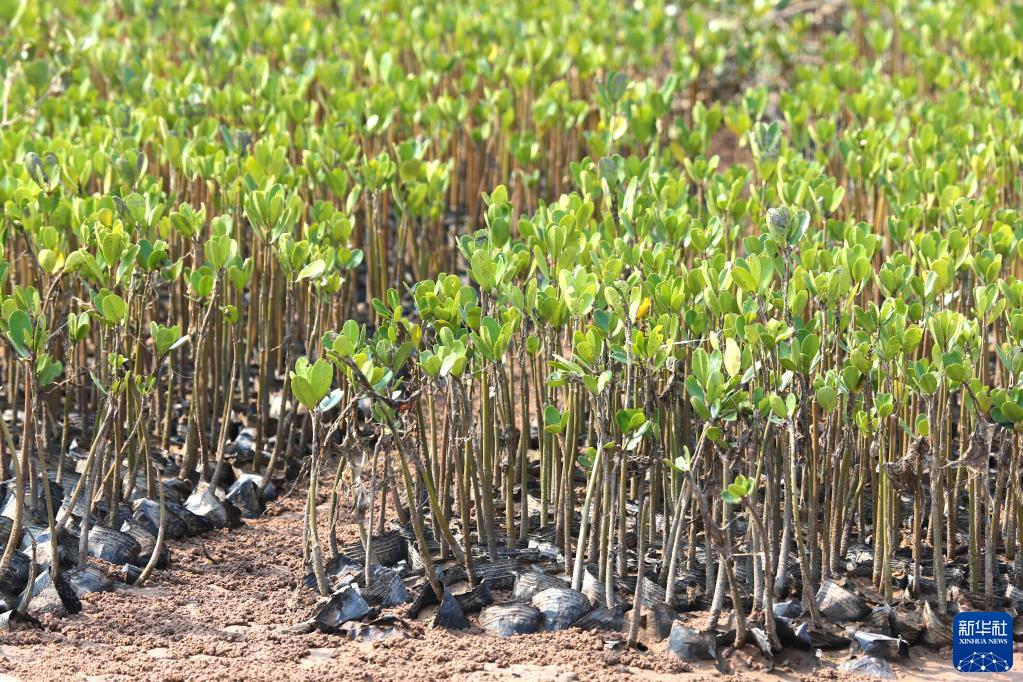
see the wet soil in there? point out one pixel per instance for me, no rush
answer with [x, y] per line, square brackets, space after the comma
[228, 606]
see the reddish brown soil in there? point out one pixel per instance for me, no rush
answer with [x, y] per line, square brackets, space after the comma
[227, 608]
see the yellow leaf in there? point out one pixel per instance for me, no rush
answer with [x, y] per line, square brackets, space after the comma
[733, 357]
[644, 309]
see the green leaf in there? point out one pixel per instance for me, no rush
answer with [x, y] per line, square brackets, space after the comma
[737, 489]
[701, 366]
[778, 406]
[923, 426]
[827, 398]
[19, 331]
[313, 270]
[47, 370]
[851, 377]
[113, 309]
[683, 463]
[532, 344]
[50, 261]
[629, 420]
[78, 326]
[553, 419]
[744, 279]
[303, 391]
[164, 338]
[230, 313]
[320, 376]
[956, 373]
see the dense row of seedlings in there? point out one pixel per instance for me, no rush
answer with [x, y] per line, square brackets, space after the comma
[794, 377]
[191, 194]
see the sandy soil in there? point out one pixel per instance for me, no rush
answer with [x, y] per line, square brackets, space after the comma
[228, 607]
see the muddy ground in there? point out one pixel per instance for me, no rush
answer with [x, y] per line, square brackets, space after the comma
[228, 606]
